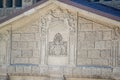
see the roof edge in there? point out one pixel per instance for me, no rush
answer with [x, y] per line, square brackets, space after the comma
[22, 11]
[98, 12]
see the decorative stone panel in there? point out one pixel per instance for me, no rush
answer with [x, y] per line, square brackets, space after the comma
[58, 28]
[58, 45]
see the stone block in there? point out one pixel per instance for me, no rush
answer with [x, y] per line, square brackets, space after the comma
[55, 70]
[99, 35]
[100, 27]
[16, 53]
[82, 53]
[27, 37]
[27, 69]
[32, 29]
[11, 69]
[56, 78]
[100, 44]
[81, 35]
[27, 29]
[86, 72]
[3, 49]
[19, 69]
[108, 44]
[90, 44]
[68, 71]
[27, 53]
[90, 36]
[17, 78]
[44, 70]
[100, 62]
[37, 36]
[32, 45]
[106, 72]
[36, 53]
[35, 69]
[96, 72]
[3, 77]
[83, 20]
[15, 37]
[34, 60]
[93, 53]
[116, 73]
[39, 45]
[14, 45]
[77, 72]
[107, 35]
[106, 53]
[20, 60]
[86, 26]
[87, 45]
[3, 69]
[84, 61]
[97, 27]
[2, 59]
[118, 61]
[22, 45]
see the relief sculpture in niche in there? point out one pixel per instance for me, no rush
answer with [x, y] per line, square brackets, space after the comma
[58, 46]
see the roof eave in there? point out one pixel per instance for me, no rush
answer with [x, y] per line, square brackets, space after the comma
[92, 10]
[23, 12]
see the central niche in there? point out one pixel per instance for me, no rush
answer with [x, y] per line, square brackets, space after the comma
[58, 47]
[58, 39]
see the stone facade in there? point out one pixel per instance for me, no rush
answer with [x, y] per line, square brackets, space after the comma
[56, 43]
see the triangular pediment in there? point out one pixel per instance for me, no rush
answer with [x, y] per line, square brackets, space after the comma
[59, 40]
[36, 12]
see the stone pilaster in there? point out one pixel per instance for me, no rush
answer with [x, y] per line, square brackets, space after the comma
[43, 41]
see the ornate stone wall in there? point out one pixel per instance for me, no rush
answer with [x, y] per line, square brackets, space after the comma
[60, 44]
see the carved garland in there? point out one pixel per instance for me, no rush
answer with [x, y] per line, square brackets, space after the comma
[59, 14]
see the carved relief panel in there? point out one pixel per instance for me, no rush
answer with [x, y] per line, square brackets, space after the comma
[58, 46]
[58, 36]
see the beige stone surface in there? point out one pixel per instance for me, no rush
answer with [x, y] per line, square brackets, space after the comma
[49, 42]
[85, 79]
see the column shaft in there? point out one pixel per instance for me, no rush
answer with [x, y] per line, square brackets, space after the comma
[4, 3]
[13, 5]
